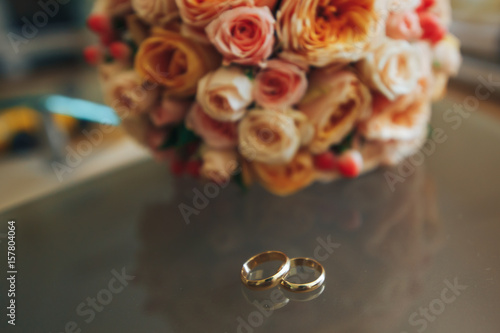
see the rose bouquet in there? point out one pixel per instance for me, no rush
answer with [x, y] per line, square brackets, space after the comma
[284, 93]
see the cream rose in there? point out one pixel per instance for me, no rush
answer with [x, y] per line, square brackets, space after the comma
[155, 12]
[218, 164]
[402, 6]
[128, 94]
[446, 55]
[216, 134]
[225, 94]
[328, 31]
[279, 85]
[393, 68]
[243, 35]
[334, 103]
[268, 136]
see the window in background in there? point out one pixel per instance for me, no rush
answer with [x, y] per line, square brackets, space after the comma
[36, 33]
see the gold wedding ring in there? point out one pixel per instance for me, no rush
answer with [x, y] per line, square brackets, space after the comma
[304, 287]
[268, 282]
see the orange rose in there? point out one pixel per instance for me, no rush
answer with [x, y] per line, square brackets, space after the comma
[321, 32]
[175, 62]
[288, 178]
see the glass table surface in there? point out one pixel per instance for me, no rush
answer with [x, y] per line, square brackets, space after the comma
[414, 248]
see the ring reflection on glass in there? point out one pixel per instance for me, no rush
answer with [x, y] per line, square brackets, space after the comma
[268, 282]
[307, 286]
[271, 299]
[303, 297]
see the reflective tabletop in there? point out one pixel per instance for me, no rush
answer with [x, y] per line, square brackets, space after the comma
[412, 248]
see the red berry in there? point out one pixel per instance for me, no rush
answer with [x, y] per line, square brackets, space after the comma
[99, 23]
[326, 161]
[434, 30]
[119, 50]
[177, 167]
[192, 148]
[193, 168]
[350, 163]
[92, 54]
[107, 39]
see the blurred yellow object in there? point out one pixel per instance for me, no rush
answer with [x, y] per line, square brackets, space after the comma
[24, 119]
[65, 123]
[20, 118]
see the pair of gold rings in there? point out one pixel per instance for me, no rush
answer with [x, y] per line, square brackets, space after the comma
[282, 276]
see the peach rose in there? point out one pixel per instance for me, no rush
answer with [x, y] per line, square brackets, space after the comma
[170, 111]
[243, 35]
[324, 32]
[268, 136]
[155, 12]
[218, 164]
[199, 13]
[174, 62]
[287, 178]
[279, 85]
[216, 134]
[393, 68]
[128, 94]
[401, 119]
[404, 26]
[395, 151]
[334, 103]
[225, 94]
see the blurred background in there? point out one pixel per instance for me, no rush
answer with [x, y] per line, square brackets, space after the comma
[41, 53]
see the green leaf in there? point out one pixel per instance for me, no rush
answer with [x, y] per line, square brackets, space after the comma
[238, 178]
[345, 144]
[250, 73]
[179, 137]
[430, 129]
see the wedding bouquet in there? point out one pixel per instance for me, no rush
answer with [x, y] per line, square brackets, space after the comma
[284, 93]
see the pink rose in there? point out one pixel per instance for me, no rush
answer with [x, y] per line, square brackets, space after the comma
[170, 111]
[403, 26]
[279, 85]
[269, 3]
[200, 13]
[216, 134]
[243, 35]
